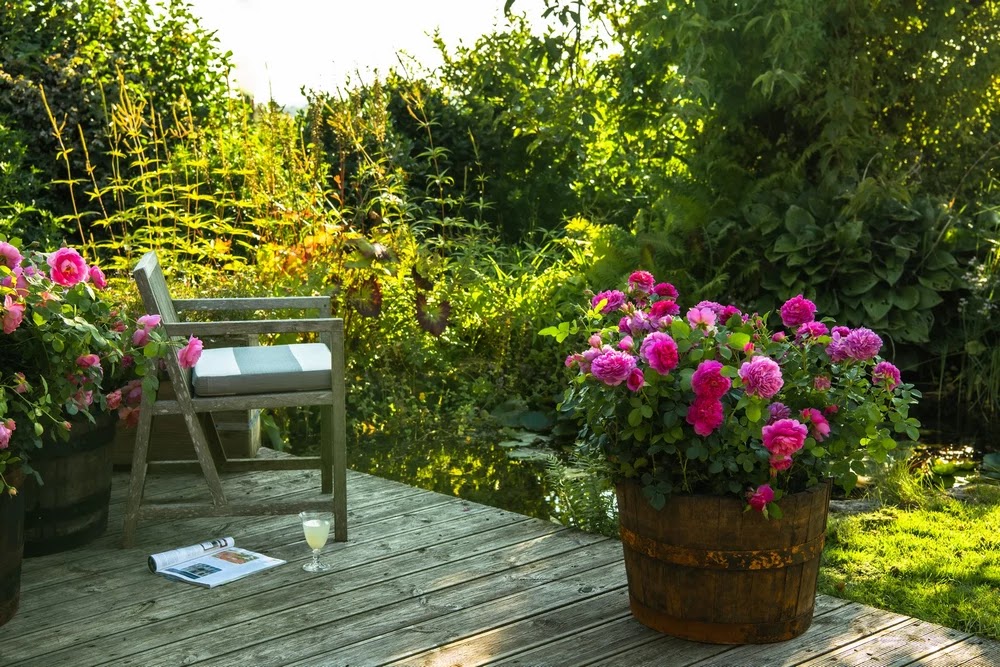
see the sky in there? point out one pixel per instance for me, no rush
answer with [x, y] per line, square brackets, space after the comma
[281, 45]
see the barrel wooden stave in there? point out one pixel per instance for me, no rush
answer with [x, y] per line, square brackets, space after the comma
[11, 546]
[70, 507]
[703, 569]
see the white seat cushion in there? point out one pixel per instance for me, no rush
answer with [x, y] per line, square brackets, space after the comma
[270, 369]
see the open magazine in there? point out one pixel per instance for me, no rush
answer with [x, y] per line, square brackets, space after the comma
[211, 563]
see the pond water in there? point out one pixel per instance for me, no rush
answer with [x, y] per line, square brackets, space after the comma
[468, 468]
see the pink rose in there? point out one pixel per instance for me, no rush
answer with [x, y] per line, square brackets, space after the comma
[130, 416]
[21, 386]
[6, 428]
[626, 344]
[613, 301]
[82, 399]
[664, 308]
[708, 380]
[659, 351]
[821, 383]
[812, 330]
[189, 355]
[97, 277]
[784, 437]
[780, 462]
[778, 411]
[140, 337]
[797, 310]
[612, 367]
[705, 414]
[88, 360]
[665, 289]
[761, 376]
[68, 268]
[114, 399]
[635, 380]
[818, 425]
[13, 314]
[702, 318]
[641, 281]
[886, 374]
[761, 497]
[9, 255]
[149, 321]
[132, 392]
[728, 312]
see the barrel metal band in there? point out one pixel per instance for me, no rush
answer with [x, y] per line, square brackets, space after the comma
[721, 633]
[715, 559]
[88, 506]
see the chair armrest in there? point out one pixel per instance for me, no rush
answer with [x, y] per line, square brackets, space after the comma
[253, 303]
[305, 325]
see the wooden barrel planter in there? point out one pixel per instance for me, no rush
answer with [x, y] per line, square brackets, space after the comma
[11, 546]
[703, 569]
[70, 507]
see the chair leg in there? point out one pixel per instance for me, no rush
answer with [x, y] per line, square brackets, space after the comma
[202, 451]
[326, 448]
[137, 478]
[211, 430]
[339, 446]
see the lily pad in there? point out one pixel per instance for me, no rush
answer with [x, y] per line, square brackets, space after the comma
[520, 439]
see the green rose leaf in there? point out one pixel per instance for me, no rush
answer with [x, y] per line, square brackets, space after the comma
[739, 340]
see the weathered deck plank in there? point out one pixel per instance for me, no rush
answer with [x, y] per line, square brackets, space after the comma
[425, 579]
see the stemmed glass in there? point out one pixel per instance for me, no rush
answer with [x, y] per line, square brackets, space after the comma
[316, 526]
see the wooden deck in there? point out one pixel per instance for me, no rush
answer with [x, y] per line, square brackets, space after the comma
[425, 579]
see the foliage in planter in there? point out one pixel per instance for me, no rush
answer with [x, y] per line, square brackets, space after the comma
[718, 403]
[68, 352]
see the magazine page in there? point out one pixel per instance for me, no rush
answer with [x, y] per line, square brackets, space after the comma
[220, 566]
[165, 559]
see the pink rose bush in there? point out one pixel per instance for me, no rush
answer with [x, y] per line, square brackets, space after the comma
[66, 353]
[715, 401]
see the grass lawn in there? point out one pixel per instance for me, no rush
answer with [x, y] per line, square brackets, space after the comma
[939, 562]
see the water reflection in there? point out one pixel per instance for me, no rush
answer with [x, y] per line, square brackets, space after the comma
[471, 469]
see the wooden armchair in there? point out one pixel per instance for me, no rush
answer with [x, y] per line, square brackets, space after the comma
[239, 379]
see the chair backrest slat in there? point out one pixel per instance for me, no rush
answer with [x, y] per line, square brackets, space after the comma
[156, 300]
[153, 288]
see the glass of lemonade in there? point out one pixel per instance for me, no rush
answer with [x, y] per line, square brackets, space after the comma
[316, 526]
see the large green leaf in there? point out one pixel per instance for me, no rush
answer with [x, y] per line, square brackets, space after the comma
[906, 298]
[859, 283]
[937, 280]
[786, 243]
[940, 259]
[800, 223]
[891, 271]
[877, 305]
[928, 298]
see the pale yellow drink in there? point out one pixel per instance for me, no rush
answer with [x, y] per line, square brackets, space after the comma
[316, 532]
